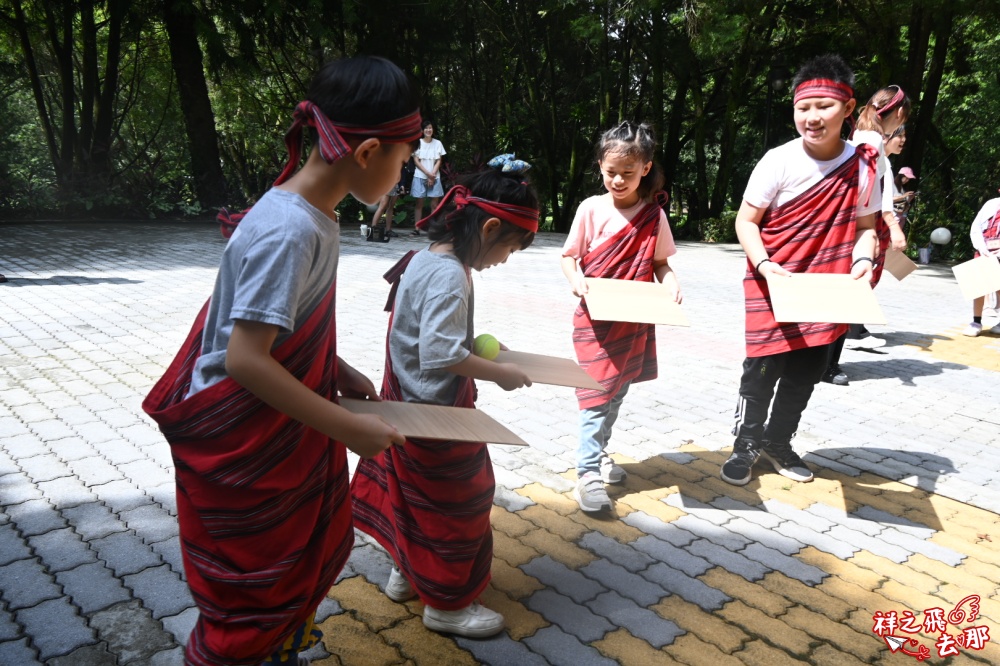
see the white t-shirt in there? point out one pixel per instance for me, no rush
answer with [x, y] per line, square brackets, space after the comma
[787, 171]
[889, 192]
[428, 152]
[597, 220]
[979, 225]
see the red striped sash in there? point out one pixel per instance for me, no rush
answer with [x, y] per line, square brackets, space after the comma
[428, 504]
[614, 352]
[992, 230]
[812, 233]
[882, 233]
[262, 500]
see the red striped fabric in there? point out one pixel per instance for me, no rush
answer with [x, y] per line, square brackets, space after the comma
[823, 88]
[884, 239]
[882, 233]
[428, 504]
[521, 216]
[992, 230]
[614, 352]
[262, 500]
[812, 233]
[330, 142]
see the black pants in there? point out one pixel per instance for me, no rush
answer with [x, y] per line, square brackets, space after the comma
[795, 374]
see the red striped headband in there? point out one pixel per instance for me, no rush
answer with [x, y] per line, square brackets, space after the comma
[522, 216]
[332, 145]
[896, 100]
[823, 88]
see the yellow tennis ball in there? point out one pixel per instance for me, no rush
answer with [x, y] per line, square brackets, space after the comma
[486, 346]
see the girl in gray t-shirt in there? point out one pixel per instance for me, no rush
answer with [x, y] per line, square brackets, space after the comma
[428, 502]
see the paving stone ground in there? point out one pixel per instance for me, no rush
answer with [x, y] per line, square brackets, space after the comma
[901, 522]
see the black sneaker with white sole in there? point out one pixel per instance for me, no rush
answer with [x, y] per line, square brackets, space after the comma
[786, 462]
[738, 469]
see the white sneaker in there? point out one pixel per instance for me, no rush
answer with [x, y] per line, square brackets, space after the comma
[995, 330]
[398, 588]
[973, 330]
[610, 472]
[590, 493]
[871, 342]
[473, 621]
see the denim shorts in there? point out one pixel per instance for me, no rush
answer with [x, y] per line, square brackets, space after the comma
[419, 190]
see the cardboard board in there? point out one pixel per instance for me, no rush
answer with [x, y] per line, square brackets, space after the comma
[898, 264]
[823, 297]
[978, 277]
[550, 369]
[637, 302]
[436, 421]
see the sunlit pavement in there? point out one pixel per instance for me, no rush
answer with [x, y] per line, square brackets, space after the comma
[890, 556]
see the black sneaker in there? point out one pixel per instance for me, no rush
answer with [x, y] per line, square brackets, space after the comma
[737, 470]
[786, 462]
[834, 375]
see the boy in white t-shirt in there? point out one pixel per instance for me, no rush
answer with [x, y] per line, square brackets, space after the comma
[808, 208]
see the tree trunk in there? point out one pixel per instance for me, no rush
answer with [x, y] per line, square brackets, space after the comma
[59, 28]
[944, 20]
[100, 146]
[203, 141]
[34, 76]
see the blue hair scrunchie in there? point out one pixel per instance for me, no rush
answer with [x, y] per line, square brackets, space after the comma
[507, 163]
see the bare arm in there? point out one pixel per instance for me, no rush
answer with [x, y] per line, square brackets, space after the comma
[665, 275]
[250, 364]
[572, 272]
[865, 244]
[897, 239]
[748, 220]
[508, 376]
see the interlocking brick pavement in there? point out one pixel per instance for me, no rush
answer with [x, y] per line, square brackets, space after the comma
[903, 514]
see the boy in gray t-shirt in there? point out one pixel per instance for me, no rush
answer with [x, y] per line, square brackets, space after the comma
[283, 272]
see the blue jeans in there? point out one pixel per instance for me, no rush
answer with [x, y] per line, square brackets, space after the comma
[595, 431]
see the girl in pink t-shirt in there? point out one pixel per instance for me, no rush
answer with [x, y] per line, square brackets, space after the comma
[622, 235]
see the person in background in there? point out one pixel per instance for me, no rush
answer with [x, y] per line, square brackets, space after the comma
[426, 177]
[903, 194]
[985, 235]
[877, 123]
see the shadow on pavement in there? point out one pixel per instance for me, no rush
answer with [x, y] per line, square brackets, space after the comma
[868, 495]
[905, 371]
[909, 338]
[68, 280]
[868, 480]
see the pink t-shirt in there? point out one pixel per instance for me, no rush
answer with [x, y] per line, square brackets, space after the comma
[597, 220]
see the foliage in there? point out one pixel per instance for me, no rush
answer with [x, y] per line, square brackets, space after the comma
[96, 120]
[720, 229]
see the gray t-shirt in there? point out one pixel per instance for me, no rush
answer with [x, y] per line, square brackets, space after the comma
[432, 327]
[277, 267]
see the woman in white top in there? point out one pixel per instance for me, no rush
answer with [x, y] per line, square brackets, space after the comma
[426, 183]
